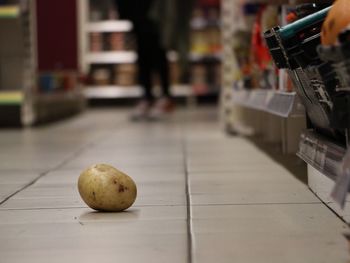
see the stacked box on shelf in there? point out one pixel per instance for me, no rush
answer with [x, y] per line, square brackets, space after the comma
[205, 48]
[111, 47]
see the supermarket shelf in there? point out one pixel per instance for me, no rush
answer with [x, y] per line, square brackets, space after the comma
[114, 92]
[193, 57]
[110, 26]
[9, 11]
[202, 25]
[111, 57]
[283, 104]
[173, 56]
[321, 153]
[48, 107]
[131, 57]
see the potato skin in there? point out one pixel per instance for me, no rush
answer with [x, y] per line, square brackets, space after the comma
[104, 188]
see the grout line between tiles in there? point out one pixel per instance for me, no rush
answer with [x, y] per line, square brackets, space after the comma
[261, 204]
[66, 160]
[188, 202]
[57, 167]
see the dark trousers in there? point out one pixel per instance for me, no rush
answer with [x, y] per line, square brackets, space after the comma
[151, 55]
[152, 58]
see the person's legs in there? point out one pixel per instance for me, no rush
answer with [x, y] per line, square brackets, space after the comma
[162, 67]
[145, 72]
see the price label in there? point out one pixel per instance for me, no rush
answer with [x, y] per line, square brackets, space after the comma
[321, 158]
[342, 185]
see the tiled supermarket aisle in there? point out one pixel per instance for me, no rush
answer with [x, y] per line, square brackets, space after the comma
[203, 197]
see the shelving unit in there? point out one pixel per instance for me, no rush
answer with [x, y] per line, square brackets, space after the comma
[280, 114]
[111, 57]
[22, 100]
[282, 104]
[113, 92]
[321, 153]
[109, 26]
[275, 115]
[104, 24]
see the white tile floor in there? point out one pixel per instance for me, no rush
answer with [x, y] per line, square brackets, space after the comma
[242, 205]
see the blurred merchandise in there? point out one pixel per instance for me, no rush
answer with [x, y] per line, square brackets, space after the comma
[102, 10]
[199, 79]
[96, 42]
[100, 75]
[175, 74]
[125, 74]
[54, 82]
[116, 41]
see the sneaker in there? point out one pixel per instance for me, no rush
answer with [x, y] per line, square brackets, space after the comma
[141, 111]
[162, 108]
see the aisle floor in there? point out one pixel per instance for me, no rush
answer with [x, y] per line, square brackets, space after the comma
[203, 196]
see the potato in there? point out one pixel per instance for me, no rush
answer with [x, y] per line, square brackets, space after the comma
[104, 188]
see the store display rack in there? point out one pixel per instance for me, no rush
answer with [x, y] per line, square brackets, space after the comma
[325, 162]
[282, 104]
[321, 153]
[111, 57]
[109, 26]
[21, 100]
[247, 106]
[327, 157]
[102, 18]
[113, 92]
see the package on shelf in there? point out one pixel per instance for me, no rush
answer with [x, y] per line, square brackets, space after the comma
[96, 42]
[102, 10]
[199, 78]
[125, 74]
[256, 68]
[100, 75]
[174, 73]
[60, 81]
[116, 41]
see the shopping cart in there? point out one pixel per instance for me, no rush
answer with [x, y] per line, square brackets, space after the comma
[338, 57]
[294, 48]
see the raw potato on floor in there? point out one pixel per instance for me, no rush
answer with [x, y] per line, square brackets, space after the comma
[104, 188]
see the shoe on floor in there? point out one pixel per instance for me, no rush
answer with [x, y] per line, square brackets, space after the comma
[141, 111]
[162, 108]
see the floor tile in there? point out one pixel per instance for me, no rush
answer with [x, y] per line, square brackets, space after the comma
[76, 234]
[268, 233]
[244, 206]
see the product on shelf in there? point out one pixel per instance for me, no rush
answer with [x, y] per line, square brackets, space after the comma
[174, 72]
[116, 41]
[199, 78]
[205, 48]
[263, 71]
[125, 75]
[96, 42]
[257, 70]
[102, 10]
[100, 75]
[52, 82]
